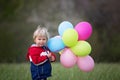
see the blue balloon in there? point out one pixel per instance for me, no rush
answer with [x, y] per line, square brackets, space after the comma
[63, 26]
[55, 44]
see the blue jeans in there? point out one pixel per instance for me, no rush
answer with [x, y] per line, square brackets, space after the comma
[42, 71]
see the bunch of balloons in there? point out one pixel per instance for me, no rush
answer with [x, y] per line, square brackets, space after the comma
[72, 45]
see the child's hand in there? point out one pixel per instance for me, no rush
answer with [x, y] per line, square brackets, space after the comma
[53, 57]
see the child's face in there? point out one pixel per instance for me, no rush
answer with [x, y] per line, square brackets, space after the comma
[40, 40]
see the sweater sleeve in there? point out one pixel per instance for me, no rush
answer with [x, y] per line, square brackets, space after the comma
[27, 55]
[40, 59]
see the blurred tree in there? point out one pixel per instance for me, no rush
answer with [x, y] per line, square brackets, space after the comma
[8, 8]
[8, 11]
[19, 18]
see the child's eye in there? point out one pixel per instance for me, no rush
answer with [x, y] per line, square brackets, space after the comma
[39, 39]
[44, 39]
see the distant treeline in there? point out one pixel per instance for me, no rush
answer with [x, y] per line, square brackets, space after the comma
[18, 19]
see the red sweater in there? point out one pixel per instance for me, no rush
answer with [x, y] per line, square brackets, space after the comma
[34, 53]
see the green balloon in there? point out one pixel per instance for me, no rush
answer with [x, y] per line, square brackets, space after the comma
[70, 37]
[82, 48]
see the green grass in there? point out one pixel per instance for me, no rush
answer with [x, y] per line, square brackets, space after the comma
[102, 71]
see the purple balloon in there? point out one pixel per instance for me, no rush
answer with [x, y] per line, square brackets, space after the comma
[84, 30]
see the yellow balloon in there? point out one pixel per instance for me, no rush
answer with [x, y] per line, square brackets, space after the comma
[70, 37]
[82, 48]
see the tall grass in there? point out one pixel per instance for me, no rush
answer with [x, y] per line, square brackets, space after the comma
[102, 71]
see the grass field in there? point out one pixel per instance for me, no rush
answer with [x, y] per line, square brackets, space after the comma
[102, 71]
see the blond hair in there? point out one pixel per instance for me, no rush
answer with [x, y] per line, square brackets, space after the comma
[40, 31]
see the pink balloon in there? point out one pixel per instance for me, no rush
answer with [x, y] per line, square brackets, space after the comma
[86, 63]
[67, 58]
[84, 30]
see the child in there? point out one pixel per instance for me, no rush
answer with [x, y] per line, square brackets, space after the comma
[40, 56]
